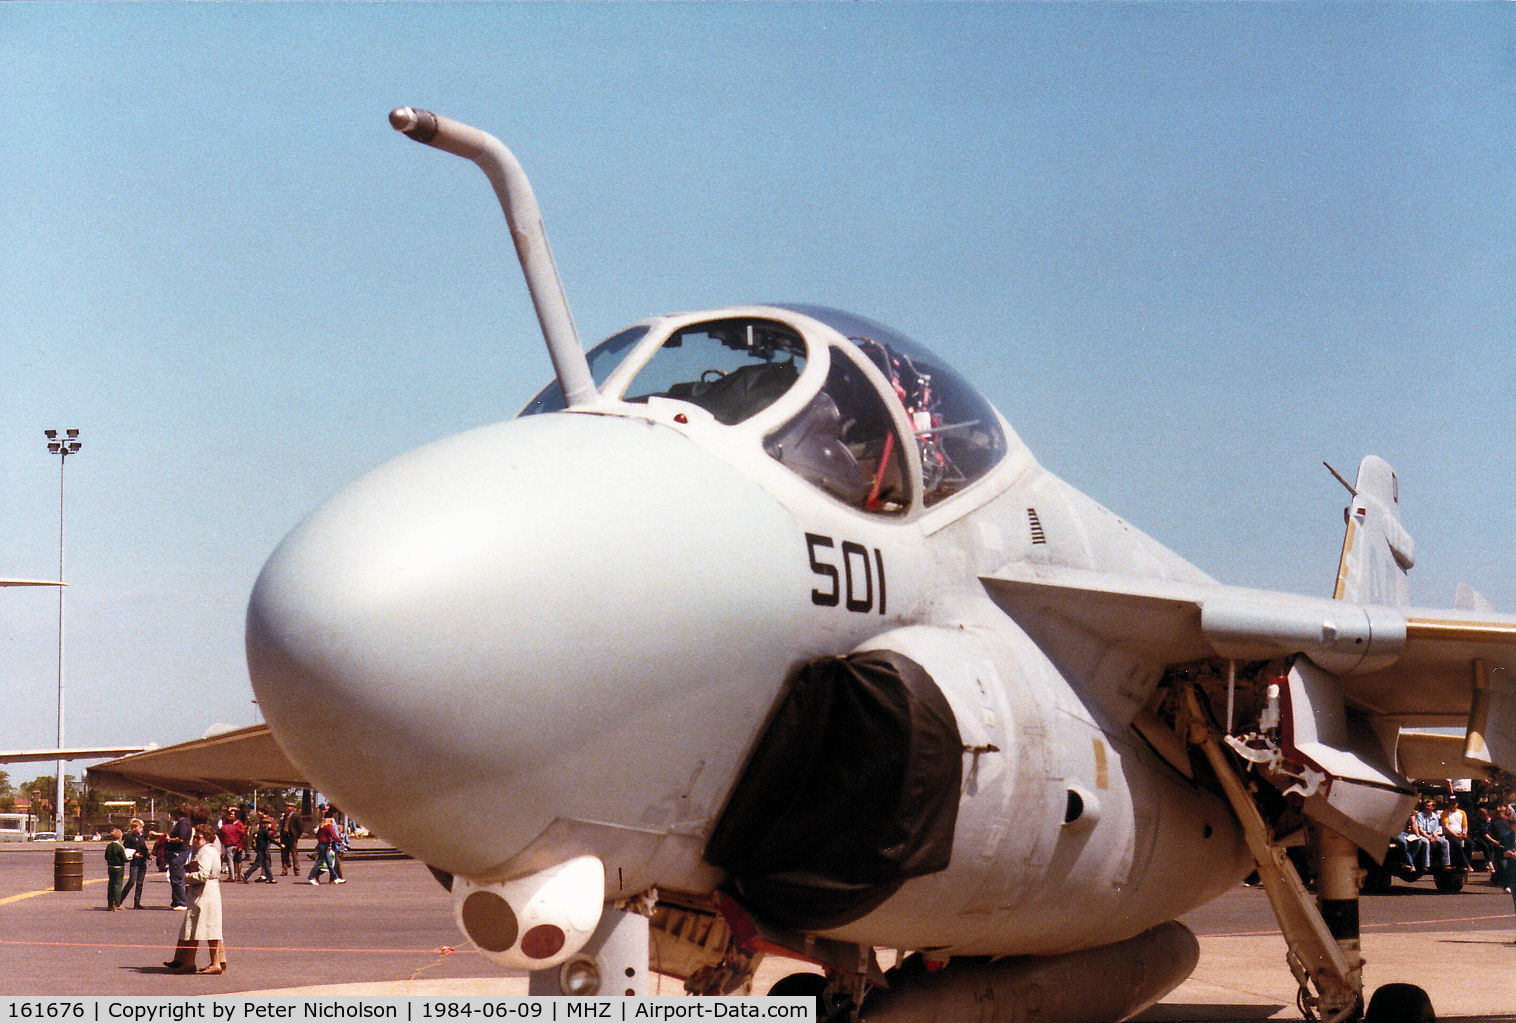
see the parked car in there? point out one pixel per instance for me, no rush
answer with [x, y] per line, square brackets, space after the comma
[45, 836]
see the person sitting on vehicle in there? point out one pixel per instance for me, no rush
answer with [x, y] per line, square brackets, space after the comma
[1429, 826]
[1455, 828]
[1414, 844]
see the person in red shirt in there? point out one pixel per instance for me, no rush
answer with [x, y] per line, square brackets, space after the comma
[232, 833]
[327, 838]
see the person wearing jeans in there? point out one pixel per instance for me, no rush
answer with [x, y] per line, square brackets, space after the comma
[136, 844]
[180, 835]
[263, 839]
[326, 853]
[1415, 846]
[1429, 826]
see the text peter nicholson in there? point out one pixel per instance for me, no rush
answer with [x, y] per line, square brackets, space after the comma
[242, 1009]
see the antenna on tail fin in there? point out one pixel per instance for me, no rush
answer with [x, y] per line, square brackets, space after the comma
[1338, 477]
[1376, 549]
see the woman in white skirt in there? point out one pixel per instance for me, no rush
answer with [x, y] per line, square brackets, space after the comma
[202, 921]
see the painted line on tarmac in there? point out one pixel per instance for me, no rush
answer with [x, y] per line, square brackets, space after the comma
[1446, 920]
[1367, 927]
[443, 951]
[44, 891]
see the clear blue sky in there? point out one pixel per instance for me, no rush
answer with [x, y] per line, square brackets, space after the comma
[1189, 251]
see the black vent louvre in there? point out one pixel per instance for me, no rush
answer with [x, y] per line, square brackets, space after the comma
[1038, 536]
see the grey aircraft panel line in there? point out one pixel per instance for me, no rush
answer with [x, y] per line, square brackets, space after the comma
[388, 933]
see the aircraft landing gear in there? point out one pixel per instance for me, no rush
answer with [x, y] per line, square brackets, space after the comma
[1316, 955]
[831, 1006]
[1322, 933]
[1400, 1003]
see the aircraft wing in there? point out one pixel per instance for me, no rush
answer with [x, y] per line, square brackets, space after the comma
[33, 756]
[230, 762]
[1406, 667]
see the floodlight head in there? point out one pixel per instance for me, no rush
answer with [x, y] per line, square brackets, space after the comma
[54, 446]
[51, 434]
[72, 433]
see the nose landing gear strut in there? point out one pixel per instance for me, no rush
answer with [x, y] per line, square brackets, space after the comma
[1322, 933]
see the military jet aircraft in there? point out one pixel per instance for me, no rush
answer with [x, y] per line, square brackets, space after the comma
[760, 631]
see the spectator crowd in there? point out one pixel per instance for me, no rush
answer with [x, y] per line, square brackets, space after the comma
[243, 840]
[1442, 834]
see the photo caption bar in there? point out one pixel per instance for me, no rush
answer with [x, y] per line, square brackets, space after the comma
[253, 1008]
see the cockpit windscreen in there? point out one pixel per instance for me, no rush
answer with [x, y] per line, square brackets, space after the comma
[603, 358]
[956, 429]
[733, 369]
[845, 442]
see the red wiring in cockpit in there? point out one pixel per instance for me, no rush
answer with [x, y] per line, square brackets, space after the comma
[934, 460]
[884, 463]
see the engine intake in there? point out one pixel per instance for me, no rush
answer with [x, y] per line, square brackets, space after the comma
[852, 791]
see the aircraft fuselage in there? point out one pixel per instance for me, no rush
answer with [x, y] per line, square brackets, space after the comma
[563, 635]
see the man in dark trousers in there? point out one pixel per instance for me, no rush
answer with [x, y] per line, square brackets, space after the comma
[1503, 845]
[179, 834]
[138, 845]
[290, 830]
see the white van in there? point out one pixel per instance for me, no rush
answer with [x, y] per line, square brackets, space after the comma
[17, 827]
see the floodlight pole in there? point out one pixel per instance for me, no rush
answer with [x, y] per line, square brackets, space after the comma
[62, 446]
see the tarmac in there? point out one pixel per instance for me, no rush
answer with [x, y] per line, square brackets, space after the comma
[390, 931]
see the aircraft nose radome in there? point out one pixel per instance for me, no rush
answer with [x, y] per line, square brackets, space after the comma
[518, 624]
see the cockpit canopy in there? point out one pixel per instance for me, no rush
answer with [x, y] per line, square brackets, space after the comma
[846, 439]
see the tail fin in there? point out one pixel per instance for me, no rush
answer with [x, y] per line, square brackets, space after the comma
[1466, 598]
[1376, 551]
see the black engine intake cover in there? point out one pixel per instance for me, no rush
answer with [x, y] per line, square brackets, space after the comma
[852, 790]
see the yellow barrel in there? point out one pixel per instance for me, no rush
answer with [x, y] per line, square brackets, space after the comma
[68, 870]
